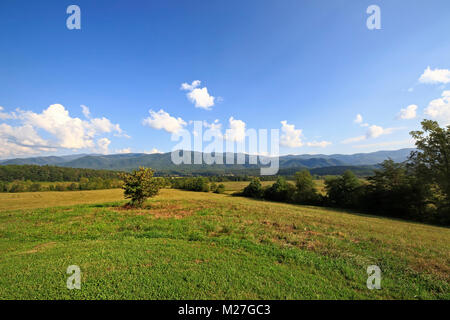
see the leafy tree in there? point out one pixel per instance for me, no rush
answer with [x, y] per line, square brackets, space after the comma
[431, 162]
[344, 191]
[305, 189]
[432, 159]
[281, 190]
[140, 185]
[220, 188]
[394, 191]
[254, 189]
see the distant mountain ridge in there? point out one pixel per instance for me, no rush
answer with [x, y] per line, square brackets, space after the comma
[163, 162]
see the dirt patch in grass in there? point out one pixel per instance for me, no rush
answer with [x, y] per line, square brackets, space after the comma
[40, 247]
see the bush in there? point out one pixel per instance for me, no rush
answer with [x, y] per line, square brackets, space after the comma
[220, 188]
[254, 189]
[281, 190]
[35, 187]
[140, 185]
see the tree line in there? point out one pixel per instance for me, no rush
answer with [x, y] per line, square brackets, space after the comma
[9, 173]
[95, 183]
[418, 189]
[32, 178]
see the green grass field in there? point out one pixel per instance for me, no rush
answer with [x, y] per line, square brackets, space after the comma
[188, 245]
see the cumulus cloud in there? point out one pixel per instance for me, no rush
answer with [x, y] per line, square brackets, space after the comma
[21, 140]
[163, 120]
[62, 132]
[190, 87]
[103, 145]
[7, 115]
[410, 112]
[71, 133]
[291, 137]
[153, 151]
[199, 96]
[373, 131]
[439, 109]
[435, 76]
[236, 130]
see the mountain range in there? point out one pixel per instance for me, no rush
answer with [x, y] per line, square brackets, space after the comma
[162, 162]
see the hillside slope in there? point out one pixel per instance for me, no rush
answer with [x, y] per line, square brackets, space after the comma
[188, 245]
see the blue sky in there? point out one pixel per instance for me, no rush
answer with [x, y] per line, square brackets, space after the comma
[312, 64]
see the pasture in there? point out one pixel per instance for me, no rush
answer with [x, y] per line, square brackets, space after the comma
[194, 245]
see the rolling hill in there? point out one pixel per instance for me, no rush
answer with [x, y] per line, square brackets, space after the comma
[162, 162]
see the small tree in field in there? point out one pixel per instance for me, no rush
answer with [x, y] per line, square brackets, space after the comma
[140, 185]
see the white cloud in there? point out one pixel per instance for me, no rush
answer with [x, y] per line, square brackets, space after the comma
[355, 139]
[439, 109]
[6, 115]
[190, 87]
[71, 133]
[86, 111]
[103, 145]
[63, 132]
[163, 120]
[216, 125]
[435, 76]
[403, 143]
[359, 120]
[373, 131]
[236, 131]
[153, 151]
[21, 140]
[291, 137]
[376, 131]
[124, 150]
[320, 144]
[199, 96]
[410, 112]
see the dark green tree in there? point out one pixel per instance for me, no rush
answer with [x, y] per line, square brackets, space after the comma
[431, 162]
[140, 185]
[305, 189]
[254, 189]
[344, 191]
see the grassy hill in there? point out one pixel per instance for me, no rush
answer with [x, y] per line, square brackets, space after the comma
[202, 245]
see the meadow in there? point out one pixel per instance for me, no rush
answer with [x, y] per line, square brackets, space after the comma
[197, 245]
